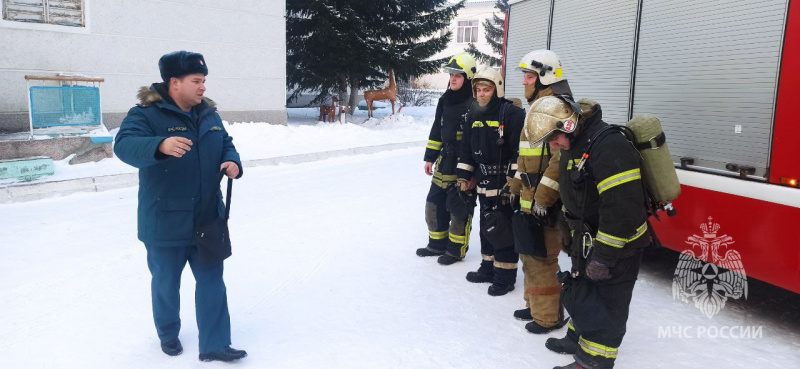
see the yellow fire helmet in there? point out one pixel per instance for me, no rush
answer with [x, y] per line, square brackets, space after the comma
[547, 115]
[545, 63]
[491, 75]
[461, 63]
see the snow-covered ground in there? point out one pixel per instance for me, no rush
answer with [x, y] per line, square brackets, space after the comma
[323, 275]
[303, 134]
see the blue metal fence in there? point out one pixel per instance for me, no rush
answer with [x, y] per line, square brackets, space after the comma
[65, 106]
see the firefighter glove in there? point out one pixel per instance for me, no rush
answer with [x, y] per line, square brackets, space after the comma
[466, 185]
[506, 195]
[597, 271]
[539, 210]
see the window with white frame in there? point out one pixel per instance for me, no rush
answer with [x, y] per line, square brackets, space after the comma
[467, 31]
[58, 12]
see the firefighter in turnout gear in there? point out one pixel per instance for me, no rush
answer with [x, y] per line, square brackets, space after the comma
[536, 183]
[448, 233]
[604, 197]
[488, 157]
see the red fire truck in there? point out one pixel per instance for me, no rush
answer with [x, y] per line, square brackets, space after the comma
[722, 76]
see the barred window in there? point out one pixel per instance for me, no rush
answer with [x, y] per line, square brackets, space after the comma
[58, 12]
[467, 31]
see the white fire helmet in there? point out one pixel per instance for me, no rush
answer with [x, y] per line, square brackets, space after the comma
[545, 63]
[491, 75]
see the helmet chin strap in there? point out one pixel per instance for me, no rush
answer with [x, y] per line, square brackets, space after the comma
[539, 87]
[571, 138]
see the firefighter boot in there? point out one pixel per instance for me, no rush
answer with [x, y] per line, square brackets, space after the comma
[503, 282]
[447, 259]
[458, 240]
[429, 251]
[574, 365]
[523, 314]
[437, 219]
[537, 328]
[562, 345]
[485, 273]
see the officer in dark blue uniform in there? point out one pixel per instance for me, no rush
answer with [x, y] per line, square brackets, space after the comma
[176, 139]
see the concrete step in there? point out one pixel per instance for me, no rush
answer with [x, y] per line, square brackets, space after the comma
[85, 148]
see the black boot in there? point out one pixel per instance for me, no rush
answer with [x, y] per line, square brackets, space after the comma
[172, 348]
[535, 328]
[503, 281]
[485, 273]
[428, 251]
[562, 345]
[500, 289]
[448, 259]
[574, 365]
[523, 314]
[227, 355]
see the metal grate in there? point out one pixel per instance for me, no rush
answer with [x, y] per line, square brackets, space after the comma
[65, 106]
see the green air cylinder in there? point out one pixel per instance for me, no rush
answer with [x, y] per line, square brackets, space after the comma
[658, 170]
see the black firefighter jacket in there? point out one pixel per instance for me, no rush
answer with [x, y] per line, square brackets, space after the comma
[445, 137]
[608, 193]
[483, 149]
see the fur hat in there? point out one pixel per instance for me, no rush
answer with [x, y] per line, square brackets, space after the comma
[180, 63]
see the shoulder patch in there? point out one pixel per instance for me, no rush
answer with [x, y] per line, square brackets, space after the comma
[216, 128]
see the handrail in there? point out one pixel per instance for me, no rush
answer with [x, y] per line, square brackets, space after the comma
[64, 78]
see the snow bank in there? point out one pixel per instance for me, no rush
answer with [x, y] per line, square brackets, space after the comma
[259, 141]
[303, 134]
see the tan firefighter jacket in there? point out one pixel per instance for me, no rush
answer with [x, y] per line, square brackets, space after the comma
[528, 163]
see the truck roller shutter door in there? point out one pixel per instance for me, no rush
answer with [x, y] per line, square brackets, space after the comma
[708, 70]
[594, 40]
[527, 31]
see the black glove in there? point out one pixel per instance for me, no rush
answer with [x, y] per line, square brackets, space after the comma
[506, 196]
[597, 271]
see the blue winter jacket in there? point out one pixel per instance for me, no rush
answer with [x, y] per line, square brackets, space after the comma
[171, 190]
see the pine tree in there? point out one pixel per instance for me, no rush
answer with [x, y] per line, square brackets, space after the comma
[336, 44]
[495, 32]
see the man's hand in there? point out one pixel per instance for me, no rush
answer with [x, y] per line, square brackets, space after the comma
[175, 146]
[515, 184]
[231, 169]
[429, 168]
[597, 272]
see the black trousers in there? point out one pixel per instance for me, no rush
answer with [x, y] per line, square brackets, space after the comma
[599, 311]
[501, 253]
[446, 232]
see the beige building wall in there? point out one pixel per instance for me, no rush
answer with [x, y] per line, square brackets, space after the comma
[479, 10]
[243, 41]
